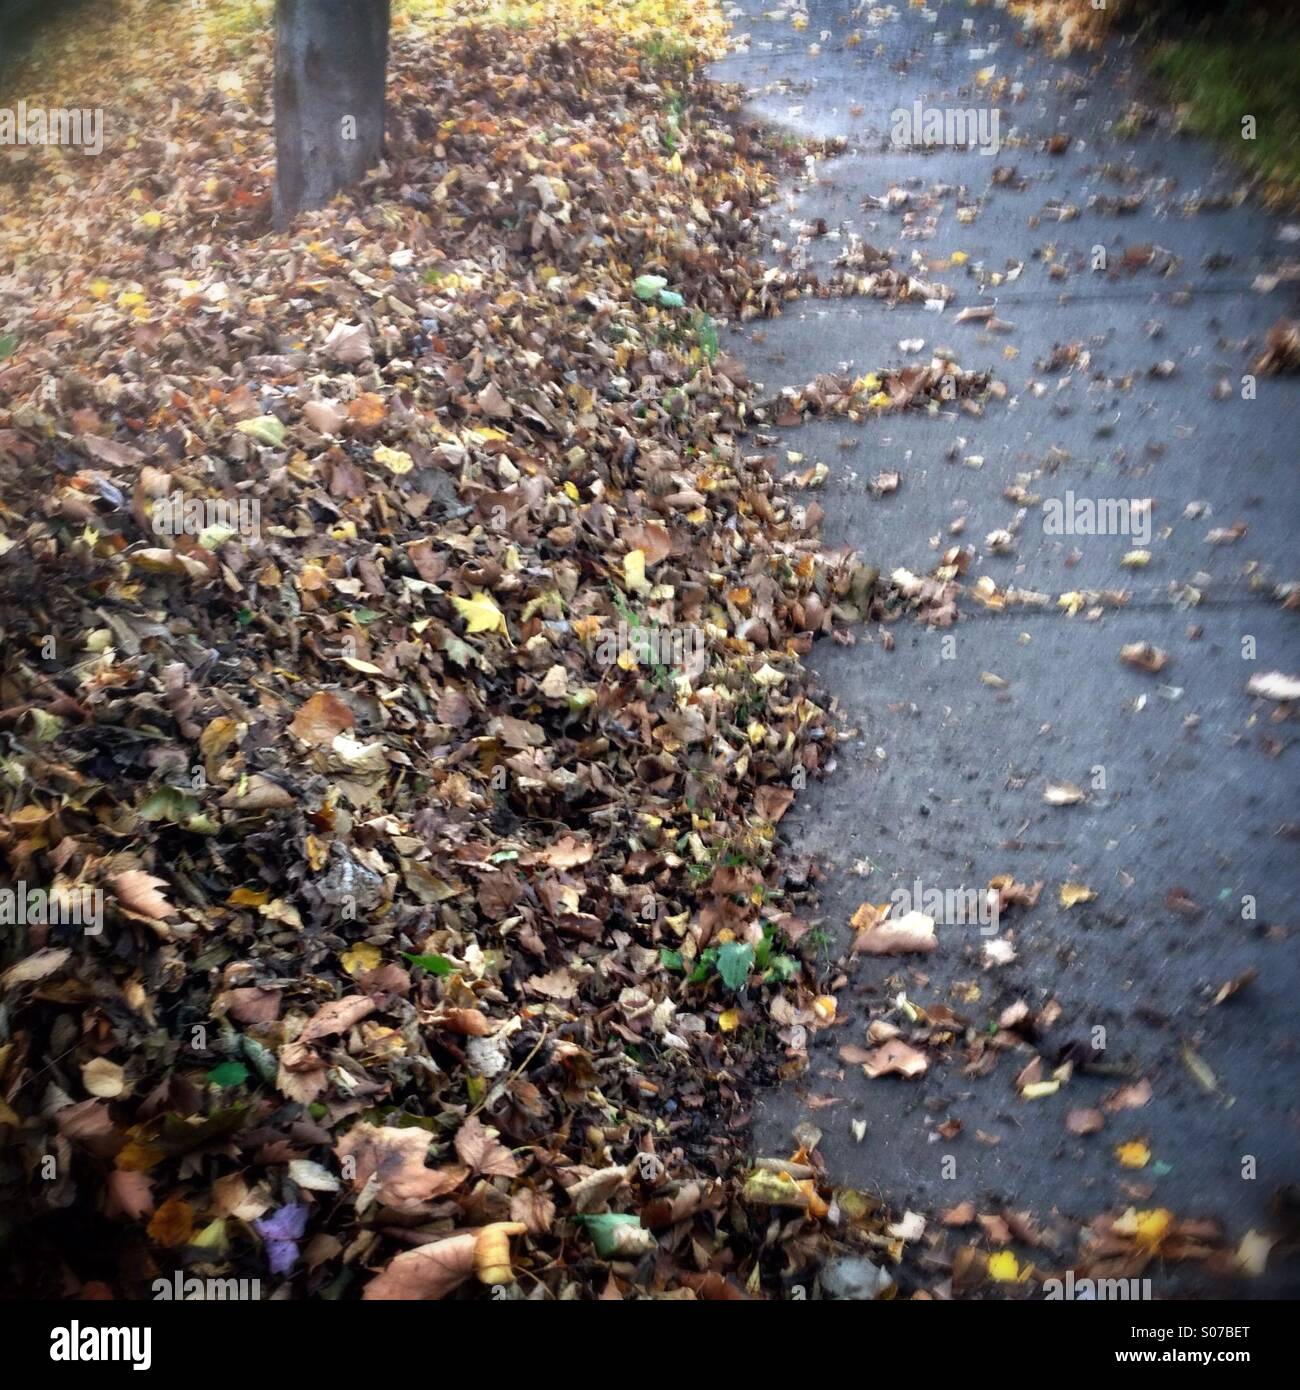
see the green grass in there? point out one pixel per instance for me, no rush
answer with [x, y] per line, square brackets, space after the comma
[1223, 80]
[243, 20]
[666, 52]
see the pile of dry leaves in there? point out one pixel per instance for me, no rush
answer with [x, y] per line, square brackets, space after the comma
[1072, 24]
[401, 667]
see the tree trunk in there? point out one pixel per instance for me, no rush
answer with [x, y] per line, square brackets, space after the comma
[331, 61]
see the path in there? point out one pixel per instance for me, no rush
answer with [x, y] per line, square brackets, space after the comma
[944, 782]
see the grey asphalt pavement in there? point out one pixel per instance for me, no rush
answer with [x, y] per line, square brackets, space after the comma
[1187, 834]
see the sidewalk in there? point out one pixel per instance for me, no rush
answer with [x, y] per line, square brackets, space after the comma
[960, 729]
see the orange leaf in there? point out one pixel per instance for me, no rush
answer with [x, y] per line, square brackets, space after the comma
[172, 1223]
[322, 719]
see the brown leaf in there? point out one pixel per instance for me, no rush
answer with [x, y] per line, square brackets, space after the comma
[348, 343]
[35, 967]
[913, 932]
[322, 719]
[337, 1016]
[1132, 1097]
[138, 892]
[652, 538]
[109, 451]
[394, 1158]
[428, 1272]
[248, 1004]
[566, 853]
[173, 1223]
[258, 794]
[476, 1147]
[1144, 656]
[771, 802]
[129, 1194]
[898, 1057]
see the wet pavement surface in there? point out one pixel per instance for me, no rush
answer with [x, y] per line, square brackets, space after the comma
[954, 734]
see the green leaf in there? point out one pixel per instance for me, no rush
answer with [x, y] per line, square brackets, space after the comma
[734, 961]
[603, 1227]
[648, 286]
[265, 1063]
[706, 334]
[7, 345]
[266, 429]
[703, 966]
[763, 951]
[670, 960]
[435, 965]
[228, 1074]
[670, 299]
[166, 803]
[784, 968]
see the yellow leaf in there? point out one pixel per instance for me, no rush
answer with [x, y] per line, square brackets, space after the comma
[866, 917]
[1134, 1154]
[480, 614]
[1035, 1090]
[634, 570]
[395, 460]
[1072, 602]
[1004, 1267]
[100, 288]
[1151, 1227]
[729, 1021]
[361, 958]
[1072, 893]
[249, 897]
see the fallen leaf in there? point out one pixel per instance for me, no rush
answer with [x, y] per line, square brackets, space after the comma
[1072, 894]
[425, 1273]
[896, 1057]
[104, 1078]
[480, 614]
[322, 718]
[139, 892]
[482, 1152]
[1134, 1154]
[1144, 656]
[911, 933]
